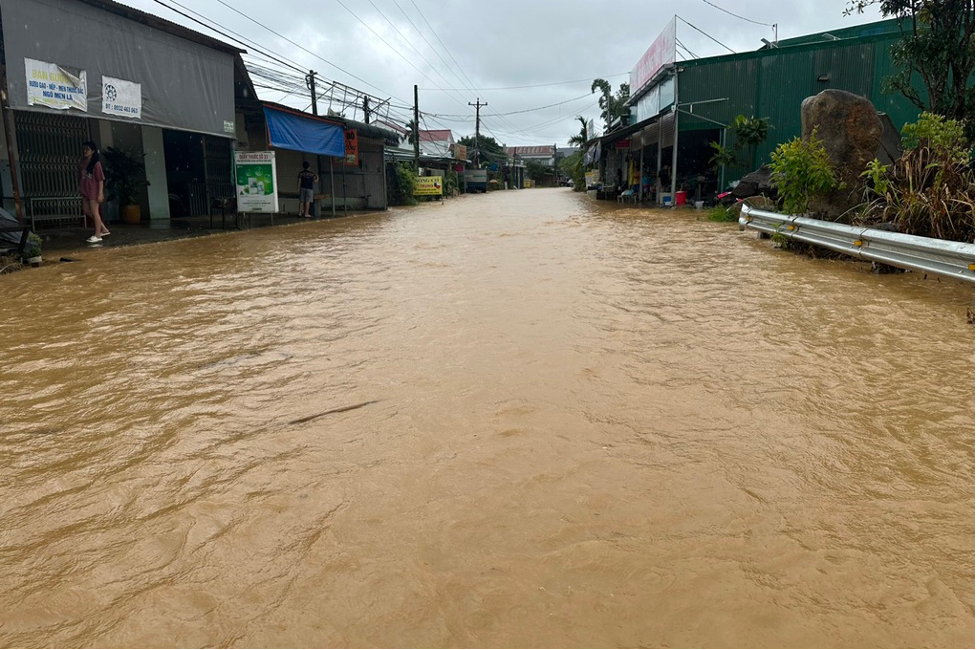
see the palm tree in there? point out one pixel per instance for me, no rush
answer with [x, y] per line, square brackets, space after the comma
[580, 139]
[410, 132]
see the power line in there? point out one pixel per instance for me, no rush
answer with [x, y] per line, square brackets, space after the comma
[215, 30]
[385, 42]
[727, 11]
[304, 49]
[555, 83]
[696, 29]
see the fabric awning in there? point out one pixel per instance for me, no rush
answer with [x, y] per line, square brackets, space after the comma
[288, 130]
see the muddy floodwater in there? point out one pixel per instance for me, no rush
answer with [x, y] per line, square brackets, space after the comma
[574, 424]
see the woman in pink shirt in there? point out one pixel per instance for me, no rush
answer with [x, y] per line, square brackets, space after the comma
[91, 186]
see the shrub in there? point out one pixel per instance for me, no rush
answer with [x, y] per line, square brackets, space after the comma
[801, 171]
[929, 191]
[720, 213]
[450, 182]
[406, 183]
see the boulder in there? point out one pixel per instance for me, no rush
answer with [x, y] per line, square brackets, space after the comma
[754, 183]
[851, 131]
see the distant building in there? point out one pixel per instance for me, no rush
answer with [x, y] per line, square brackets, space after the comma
[543, 154]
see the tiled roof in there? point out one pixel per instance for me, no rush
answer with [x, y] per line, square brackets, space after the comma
[435, 136]
[541, 150]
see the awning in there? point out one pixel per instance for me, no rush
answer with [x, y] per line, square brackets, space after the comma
[288, 130]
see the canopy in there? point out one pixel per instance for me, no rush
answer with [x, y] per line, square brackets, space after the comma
[288, 130]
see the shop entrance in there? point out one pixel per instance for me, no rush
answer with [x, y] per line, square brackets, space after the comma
[198, 171]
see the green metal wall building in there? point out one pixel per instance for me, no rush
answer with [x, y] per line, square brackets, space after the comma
[773, 82]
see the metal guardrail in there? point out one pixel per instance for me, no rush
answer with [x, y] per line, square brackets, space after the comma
[947, 258]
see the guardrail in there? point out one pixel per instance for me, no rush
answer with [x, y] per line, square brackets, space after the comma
[947, 258]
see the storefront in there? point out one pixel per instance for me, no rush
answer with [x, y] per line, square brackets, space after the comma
[79, 70]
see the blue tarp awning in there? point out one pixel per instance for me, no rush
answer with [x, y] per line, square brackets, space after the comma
[288, 130]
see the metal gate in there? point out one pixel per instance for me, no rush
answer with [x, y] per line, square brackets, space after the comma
[217, 168]
[49, 147]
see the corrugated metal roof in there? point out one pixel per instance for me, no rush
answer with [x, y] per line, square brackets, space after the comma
[534, 150]
[162, 24]
[435, 136]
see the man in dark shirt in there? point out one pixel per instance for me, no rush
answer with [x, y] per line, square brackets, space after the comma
[307, 181]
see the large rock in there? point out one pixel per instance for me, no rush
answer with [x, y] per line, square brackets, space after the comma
[851, 131]
[754, 183]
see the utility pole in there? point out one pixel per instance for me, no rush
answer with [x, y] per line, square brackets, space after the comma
[478, 105]
[10, 132]
[417, 143]
[310, 83]
[366, 109]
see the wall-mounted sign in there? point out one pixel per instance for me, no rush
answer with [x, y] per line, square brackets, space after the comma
[121, 97]
[429, 186]
[460, 151]
[53, 86]
[255, 175]
[623, 144]
[352, 148]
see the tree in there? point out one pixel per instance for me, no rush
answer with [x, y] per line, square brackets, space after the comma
[573, 167]
[536, 170]
[939, 47]
[746, 132]
[487, 147]
[580, 139]
[410, 132]
[612, 106]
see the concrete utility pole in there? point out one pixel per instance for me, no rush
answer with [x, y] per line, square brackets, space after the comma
[310, 83]
[366, 109]
[478, 105]
[417, 143]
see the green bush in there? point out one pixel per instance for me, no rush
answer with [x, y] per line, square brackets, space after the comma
[945, 137]
[929, 190]
[406, 184]
[719, 213]
[801, 171]
[450, 182]
[33, 248]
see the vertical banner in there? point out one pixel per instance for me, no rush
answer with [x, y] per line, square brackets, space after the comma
[255, 174]
[121, 97]
[352, 148]
[50, 85]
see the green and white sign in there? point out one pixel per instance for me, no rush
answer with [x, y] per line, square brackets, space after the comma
[255, 173]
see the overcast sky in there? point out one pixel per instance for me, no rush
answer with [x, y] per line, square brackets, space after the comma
[457, 52]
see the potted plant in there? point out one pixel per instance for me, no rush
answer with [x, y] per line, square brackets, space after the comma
[32, 253]
[125, 176]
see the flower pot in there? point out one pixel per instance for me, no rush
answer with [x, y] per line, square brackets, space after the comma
[131, 214]
[34, 261]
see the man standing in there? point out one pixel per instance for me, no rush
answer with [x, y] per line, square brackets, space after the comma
[307, 181]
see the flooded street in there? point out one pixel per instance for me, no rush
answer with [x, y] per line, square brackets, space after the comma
[576, 425]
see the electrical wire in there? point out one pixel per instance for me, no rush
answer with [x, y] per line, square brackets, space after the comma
[555, 83]
[727, 11]
[698, 30]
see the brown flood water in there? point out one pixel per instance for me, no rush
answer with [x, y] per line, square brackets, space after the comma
[590, 426]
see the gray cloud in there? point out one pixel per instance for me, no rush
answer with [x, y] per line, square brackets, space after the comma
[484, 47]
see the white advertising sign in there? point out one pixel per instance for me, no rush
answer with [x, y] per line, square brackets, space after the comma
[255, 178]
[50, 85]
[121, 97]
[660, 54]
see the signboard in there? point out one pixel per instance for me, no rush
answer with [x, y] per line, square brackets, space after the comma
[592, 178]
[352, 148]
[591, 131]
[429, 186]
[50, 85]
[660, 54]
[623, 144]
[461, 151]
[121, 97]
[254, 172]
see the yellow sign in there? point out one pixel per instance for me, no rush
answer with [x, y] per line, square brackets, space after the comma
[429, 186]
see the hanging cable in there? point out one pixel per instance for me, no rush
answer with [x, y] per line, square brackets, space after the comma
[701, 32]
[727, 11]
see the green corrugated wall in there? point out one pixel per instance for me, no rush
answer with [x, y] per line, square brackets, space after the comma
[773, 83]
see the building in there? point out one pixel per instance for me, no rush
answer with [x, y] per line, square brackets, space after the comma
[77, 70]
[702, 96]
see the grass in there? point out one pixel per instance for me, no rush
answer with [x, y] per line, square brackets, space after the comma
[721, 214]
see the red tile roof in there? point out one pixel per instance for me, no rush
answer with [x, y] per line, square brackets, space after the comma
[435, 136]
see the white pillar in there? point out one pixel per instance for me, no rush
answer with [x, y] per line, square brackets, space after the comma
[158, 191]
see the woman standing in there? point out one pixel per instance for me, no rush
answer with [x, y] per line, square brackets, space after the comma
[91, 186]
